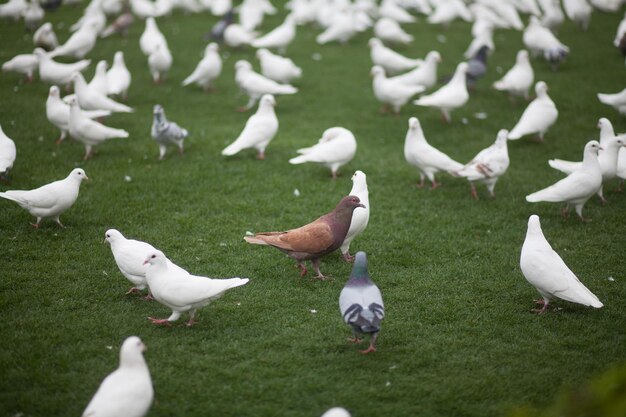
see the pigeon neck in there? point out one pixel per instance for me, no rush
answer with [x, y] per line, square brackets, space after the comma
[132, 360]
[590, 160]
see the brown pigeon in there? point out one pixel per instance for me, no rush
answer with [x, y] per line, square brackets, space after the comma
[314, 240]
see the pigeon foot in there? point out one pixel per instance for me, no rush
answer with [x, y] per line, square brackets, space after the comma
[565, 212]
[261, 156]
[368, 350]
[302, 268]
[354, 340]
[132, 291]
[347, 257]
[35, 225]
[191, 322]
[164, 322]
[474, 193]
[435, 185]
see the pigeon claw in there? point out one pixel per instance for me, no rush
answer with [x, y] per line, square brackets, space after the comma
[474, 193]
[347, 257]
[354, 340]
[132, 291]
[302, 268]
[368, 350]
[164, 322]
[191, 322]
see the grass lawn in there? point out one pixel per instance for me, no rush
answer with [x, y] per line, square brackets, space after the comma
[458, 338]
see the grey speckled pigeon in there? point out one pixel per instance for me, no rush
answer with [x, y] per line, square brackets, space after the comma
[166, 132]
[313, 240]
[477, 66]
[361, 303]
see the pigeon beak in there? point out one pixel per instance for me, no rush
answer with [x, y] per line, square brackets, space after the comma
[87, 178]
[105, 240]
[143, 347]
[146, 261]
[361, 205]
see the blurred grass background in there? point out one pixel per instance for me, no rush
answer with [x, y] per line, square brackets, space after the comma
[458, 338]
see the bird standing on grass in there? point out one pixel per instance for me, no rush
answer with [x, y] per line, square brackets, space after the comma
[256, 85]
[260, 129]
[208, 69]
[7, 155]
[519, 78]
[181, 291]
[449, 97]
[314, 240]
[361, 215]
[538, 117]
[165, 132]
[576, 188]
[336, 148]
[361, 303]
[50, 200]
[128, 390]
[391, 92]
[545, 270]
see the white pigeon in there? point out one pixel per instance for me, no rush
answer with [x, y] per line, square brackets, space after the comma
[7, 154]
[45, 37]
[488, 165]
[126, 391]
[429, 160]
[615, 100]
[256, 85]
[360, 216]
[181, 291]
[483, 38]
[33, 15]
[448, 10]
[389, 30]
[89, 132]
[25, 64]
[219, 7]
[519, 78]
[13, 9]
[58, 112]
[341, 29]
[275, 67]
[89, 99]
[424, 75]
[390, 60]
[539, 115]
[260, 129]
[159, 62]
[576, 188]
[79, 44]
[251, 14]
[553, 16]
[129, 255]
[236, 36]
[336, 148]
[544, 269]
[208, 69]
[449, 97]
[118, 77]
[539, 40]
[607, 158]
[579, 12]
[390, 91]
[57, 73]
[99, 81]
[92, 16]
[506, 11]
[279, 37]
[361, 303]
[151, 37]
[609, 6]
[50, 200]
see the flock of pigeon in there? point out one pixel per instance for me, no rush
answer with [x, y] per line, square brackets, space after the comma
[396, 80]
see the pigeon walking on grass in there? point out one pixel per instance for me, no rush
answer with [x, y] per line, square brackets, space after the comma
[361, 303]
[391, 92]
[208, 69]
[576, 188]
[57, 73]
[424, 75]
[165, 132]
[538, 117]
[429, 160]
[50, 200]
[449, 97]
[118, 77]
[361, 215]
[392, 61]
[25, 64]
[544, 269]
[539, 40]
[260, 129]
[128, 390]
[336, 148]
[180, 291]
[277, 68]
[91, 99]
[45, 37]
[314, 240]
[488, 165]
[519, 78]
[256, 85]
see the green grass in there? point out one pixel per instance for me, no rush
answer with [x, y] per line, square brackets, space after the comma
[458, 338]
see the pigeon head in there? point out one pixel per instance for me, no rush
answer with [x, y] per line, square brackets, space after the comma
[336, 412]
[501, 138]
[155, 258]
[541, 88]
[348, 204]
[40, 52]
[433, 56]
[359, 270]
[118, 58]
[78, 174]
[461, 68]
[212, 47]
[414, 124]
[534, 227]
[593, 146]
[377, 71]
[260, 53]
[159, 113]
[242, 64]
[374, 43]
[268, 100]
[616, 142]
[112, 235]
[522, 56]
[604, 124]
[101, 66]
[358, 177]
[54, 92]
[131, 352]
[78, 79]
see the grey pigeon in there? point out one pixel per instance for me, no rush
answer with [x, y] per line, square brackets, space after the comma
[361, 303]
[165, 132]
[477, 66]
[217, 31]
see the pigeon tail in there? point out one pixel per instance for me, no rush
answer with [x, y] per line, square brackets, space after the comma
[286, 89]
[566, 167]
[255, 240]
[299, 159]
[232, 149]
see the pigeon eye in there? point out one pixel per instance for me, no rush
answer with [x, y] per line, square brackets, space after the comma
[153, 256]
